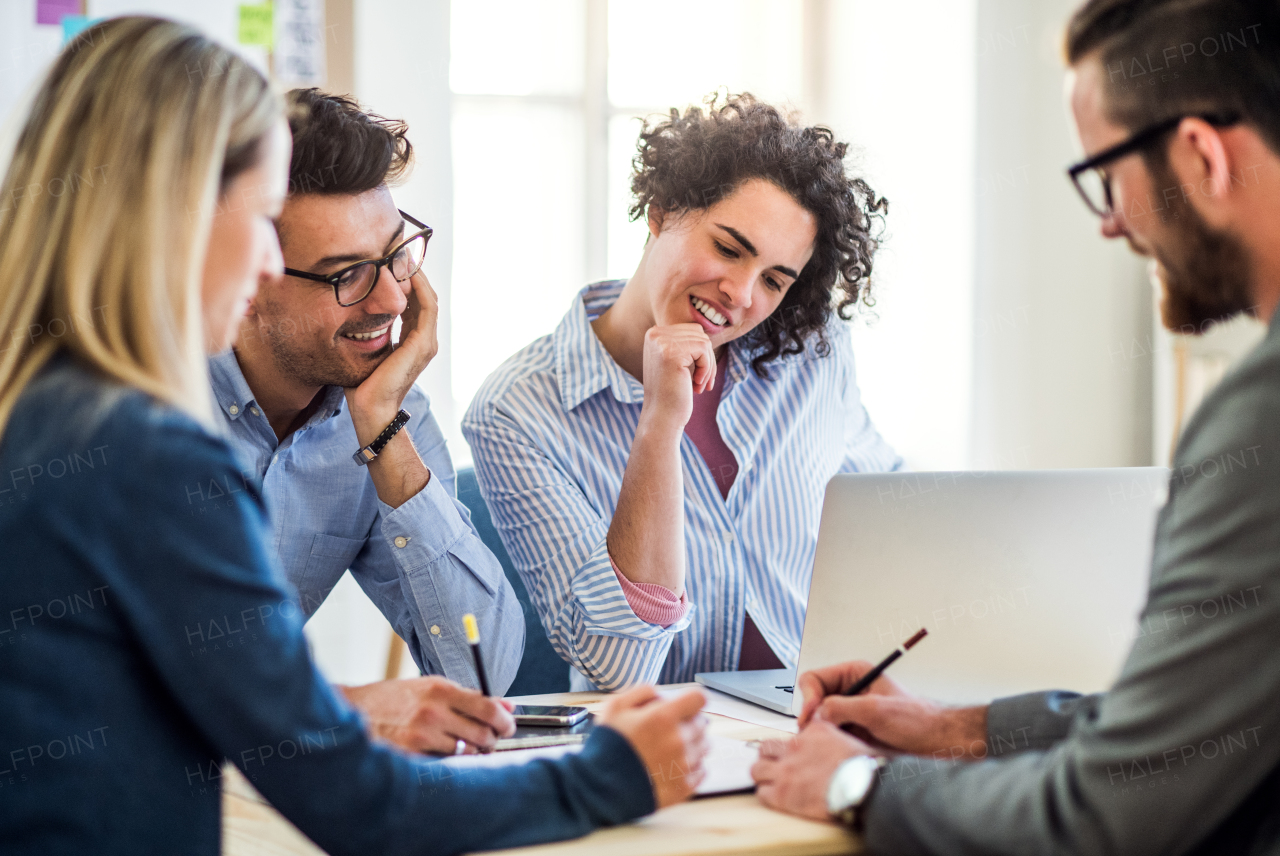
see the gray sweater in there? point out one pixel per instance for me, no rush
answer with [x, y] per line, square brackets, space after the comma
[1182, 754]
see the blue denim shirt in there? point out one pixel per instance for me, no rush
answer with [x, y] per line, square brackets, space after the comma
[141, 643]
[422, 564]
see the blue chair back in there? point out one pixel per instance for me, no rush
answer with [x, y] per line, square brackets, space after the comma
[541, 669]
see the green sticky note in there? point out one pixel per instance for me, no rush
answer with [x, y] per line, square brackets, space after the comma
[256, 25]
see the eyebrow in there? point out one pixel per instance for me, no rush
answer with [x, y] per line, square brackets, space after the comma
[328, 261]
[751, 248]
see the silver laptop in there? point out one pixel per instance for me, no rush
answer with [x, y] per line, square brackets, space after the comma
[1025, 580]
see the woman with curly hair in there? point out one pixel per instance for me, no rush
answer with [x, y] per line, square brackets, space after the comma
[656, 466]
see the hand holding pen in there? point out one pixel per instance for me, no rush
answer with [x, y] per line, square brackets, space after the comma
[885, 715]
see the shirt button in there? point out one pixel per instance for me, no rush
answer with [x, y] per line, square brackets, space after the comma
[274, 458]
[435, 630]
[400, 542]
[728, 536]
[255, 411]
[233, 409]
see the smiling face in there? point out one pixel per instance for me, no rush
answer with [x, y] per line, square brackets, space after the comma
[312, 339]
[727, 267]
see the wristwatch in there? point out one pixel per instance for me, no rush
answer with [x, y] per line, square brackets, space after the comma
[850, 787]
[371, 451]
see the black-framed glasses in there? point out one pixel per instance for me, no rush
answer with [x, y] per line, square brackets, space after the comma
[355, 282]
[1091, 179]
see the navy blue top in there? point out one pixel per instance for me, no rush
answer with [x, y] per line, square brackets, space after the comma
[141, 644]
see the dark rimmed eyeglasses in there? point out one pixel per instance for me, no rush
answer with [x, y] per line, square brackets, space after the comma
[355, 282]
[1091, 179]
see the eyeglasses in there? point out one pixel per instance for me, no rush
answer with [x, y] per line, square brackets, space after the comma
[355, 282]
[1092, 181]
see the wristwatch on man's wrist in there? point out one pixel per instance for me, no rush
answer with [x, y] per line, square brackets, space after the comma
[371, 451]
[849, 788]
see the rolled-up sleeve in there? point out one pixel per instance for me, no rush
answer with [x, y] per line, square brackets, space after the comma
[557, 540]
[425, 567]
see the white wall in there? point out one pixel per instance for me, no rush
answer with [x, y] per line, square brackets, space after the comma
[1057, 309]
[903, 92]
[1007, 327]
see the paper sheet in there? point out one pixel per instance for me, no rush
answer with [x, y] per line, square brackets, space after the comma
[735, 708]
[728, 764]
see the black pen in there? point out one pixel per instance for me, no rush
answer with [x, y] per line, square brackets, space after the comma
[473, 638]
[870, 676]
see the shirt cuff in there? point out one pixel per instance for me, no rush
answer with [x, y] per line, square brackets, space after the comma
[603, 608]
[653, 603]
[424, 527]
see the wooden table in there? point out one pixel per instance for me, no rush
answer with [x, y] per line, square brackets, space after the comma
[735, 824]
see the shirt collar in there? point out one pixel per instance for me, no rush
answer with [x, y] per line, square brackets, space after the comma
[584, 367]
[233, 395]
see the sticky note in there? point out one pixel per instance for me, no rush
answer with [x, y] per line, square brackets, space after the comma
[53, 11]
[256, 27]
[74, 25]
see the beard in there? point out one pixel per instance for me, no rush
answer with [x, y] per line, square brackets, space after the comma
[1205, 273]
[301, 359]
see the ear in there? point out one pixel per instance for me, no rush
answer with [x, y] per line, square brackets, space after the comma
[1201, 159]
[656, 217]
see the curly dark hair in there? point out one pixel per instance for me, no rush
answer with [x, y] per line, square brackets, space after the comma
[338, 148]
[690, 161]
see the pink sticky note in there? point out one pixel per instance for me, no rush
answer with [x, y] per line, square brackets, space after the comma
[52, 11]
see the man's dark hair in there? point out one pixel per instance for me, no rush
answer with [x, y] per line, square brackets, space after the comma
[340, 149]
[1167, 58]
[693, 160]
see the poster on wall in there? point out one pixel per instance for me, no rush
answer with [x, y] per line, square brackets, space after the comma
[298, 58]
[53, 11]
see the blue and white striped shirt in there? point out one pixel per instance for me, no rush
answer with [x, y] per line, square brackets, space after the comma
[550, 431]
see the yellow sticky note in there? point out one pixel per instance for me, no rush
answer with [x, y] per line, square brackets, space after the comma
[256, 27]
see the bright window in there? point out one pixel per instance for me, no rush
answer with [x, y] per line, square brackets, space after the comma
[544, 129]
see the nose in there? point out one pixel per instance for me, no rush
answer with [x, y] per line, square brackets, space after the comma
[737, 290]
[388, 296]
[1111, 226]
[272, 263]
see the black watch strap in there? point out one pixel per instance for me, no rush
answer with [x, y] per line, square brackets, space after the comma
[371, 451]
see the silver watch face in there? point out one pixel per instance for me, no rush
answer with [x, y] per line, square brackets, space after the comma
[851, 783]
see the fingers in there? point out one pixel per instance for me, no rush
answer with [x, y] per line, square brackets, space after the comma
[865, 711]
[817, 685]
[686, 346]
[763, 771]
[426, 296]
[485, 711]
[773, 749]
[813, 691]
[475, 734]
[420, 316]
[628, 699]
[704, 365]
[686, 705]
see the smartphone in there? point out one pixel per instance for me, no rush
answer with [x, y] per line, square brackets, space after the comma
[537, 714]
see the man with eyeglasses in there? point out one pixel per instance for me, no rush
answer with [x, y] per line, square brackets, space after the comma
[1177, 103]
[321, 405]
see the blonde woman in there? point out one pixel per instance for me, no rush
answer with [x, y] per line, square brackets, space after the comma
[141, 645]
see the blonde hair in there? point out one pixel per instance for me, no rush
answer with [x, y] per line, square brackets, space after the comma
[108, 202]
